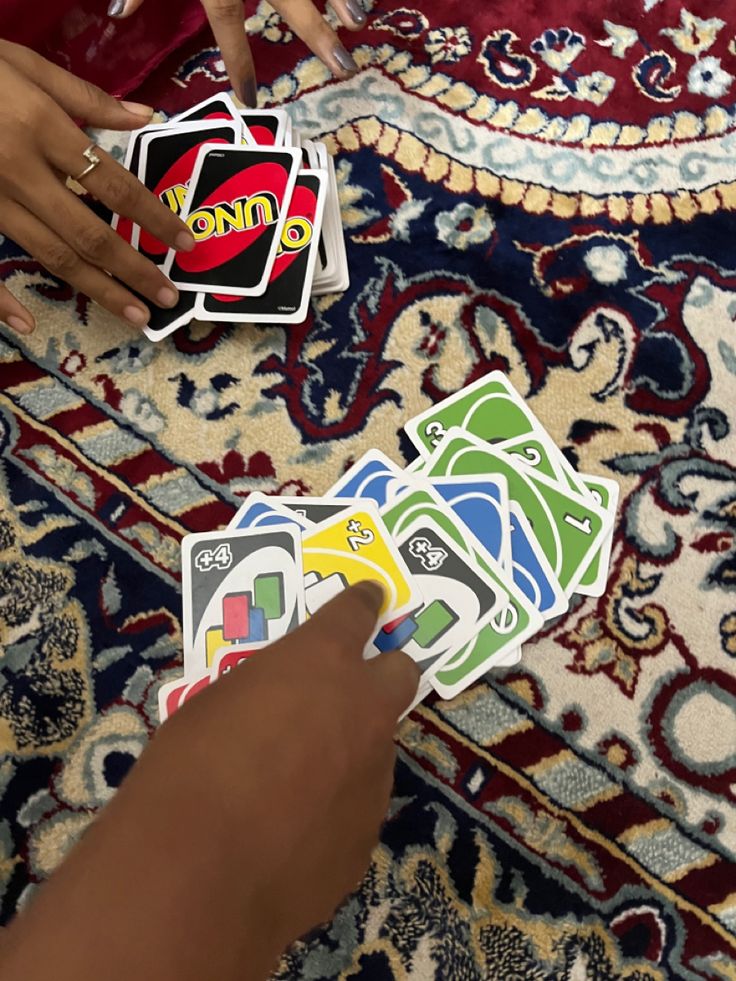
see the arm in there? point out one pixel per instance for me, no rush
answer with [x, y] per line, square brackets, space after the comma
[247, 820]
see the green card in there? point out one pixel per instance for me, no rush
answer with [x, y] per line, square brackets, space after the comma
[491, 409]
[570, 528]
[604, 492]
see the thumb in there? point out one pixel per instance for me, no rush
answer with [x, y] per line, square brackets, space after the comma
[79, 99]
[397, 678]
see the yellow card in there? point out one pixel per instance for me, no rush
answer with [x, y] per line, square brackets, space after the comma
[353, 546]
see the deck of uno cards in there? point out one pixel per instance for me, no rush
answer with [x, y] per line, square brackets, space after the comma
[262, 207]
[478, 543]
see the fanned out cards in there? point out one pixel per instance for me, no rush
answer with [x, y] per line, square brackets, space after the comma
[262, 205]
[478, 543]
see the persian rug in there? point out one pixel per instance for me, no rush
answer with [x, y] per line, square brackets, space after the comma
[545, 191]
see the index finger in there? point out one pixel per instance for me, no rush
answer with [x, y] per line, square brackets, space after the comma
[228, 26]
[348, 620]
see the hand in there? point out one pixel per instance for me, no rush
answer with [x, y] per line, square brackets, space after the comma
[247, 820]
[40, 146]
[226, 18]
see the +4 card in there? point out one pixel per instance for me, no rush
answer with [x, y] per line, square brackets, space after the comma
[236, 210]
[239, 587]
[494, 642]
[458, 598]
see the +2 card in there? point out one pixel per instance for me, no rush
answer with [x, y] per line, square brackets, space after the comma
[349, 548]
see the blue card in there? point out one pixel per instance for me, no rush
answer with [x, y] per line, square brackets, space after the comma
[260, 511]
[374, 477]
[482, 504]
[530, 568]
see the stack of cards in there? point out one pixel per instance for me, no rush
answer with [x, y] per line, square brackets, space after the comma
[478, 543]
[262, 205]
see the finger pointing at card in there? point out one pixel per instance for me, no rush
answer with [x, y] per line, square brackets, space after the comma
[226, 19]
[261, 800]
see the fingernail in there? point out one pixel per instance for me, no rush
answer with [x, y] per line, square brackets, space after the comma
[249, 93]
[357, 14]
[167, 297]
[21, 326]
[136, 316]
[344, 59]
[137, 108]
[184, 242]
[116, 8]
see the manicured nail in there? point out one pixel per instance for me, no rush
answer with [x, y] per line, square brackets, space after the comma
[137, 108]
[21, 326]
[116, 8]
[249, 92]
[184, 242]
[357, 14]
[136, 316]
[167, 297]
[344, 59]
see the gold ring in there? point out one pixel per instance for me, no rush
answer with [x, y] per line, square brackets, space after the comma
[94, 161]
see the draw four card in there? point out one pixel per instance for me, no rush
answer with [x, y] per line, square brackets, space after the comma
[236, 210]
[239, 587]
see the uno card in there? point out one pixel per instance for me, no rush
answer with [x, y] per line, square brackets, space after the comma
[604, 492]
[167, 160]
[491, 409]
[288, 294]
[231, 656]
[174, 694]
[220, 106]
[516, 622]
[313, 510]
[261, 511]
[239, 587]
[119, 223]
[570, 528]
[164, 322]
[332, 274]
[267, 127]
[236, 210]
[538, 451]
[458, 599]
[483, 505]
[374, 476]
[531, 570]
[349, 548]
